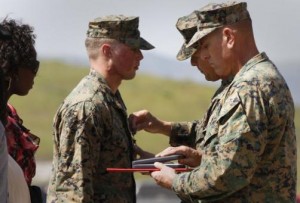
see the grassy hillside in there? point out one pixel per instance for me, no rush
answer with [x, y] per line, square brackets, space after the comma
[167, 99]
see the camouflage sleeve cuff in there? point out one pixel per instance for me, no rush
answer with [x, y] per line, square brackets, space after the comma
[177, 184]
[182, 133]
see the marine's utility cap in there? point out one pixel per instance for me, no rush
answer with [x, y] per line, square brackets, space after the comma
[187, 26]
[119, 27]
[213, 16]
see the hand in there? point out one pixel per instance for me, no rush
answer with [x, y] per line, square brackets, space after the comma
[144, 120]
[165, 176]
[192, 157]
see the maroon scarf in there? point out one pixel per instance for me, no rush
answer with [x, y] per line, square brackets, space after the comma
[21, 144]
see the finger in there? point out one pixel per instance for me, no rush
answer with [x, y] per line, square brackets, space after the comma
[158, 165]
[155, 176]
[142, 125]
[164, 152]
[169, 151]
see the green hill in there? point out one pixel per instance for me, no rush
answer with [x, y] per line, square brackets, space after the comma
[167, 99]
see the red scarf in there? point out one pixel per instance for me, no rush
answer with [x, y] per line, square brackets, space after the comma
[21, 144]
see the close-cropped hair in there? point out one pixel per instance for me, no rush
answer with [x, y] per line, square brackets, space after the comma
[93, 45]
[245, 25]
[18, 51]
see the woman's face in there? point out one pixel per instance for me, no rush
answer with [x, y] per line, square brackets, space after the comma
[24, 80]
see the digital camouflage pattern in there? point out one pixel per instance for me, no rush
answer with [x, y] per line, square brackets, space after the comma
[247, 140]
[91, 134]
[119, 27]
[213, 16]
[187, 26]
[201, 22]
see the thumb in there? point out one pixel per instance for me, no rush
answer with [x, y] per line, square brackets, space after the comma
[158, 165]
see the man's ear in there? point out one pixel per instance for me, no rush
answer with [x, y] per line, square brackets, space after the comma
[229, 37]
[106, 50]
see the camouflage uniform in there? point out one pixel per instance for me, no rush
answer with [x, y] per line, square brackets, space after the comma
[91, 132]
[247, 140]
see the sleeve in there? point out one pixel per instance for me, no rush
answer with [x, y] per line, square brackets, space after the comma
[183, 133]
[232, 146]
[79, 149]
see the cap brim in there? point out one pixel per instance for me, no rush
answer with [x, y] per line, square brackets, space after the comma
[199, 35]
[185, 52]
[144, 45]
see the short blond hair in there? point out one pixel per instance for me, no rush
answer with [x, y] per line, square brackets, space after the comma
[93, 44]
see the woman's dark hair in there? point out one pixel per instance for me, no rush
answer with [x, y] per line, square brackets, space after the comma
[19, 50]
[15, 52]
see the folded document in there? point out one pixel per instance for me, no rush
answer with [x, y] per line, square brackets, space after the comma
[147, 165]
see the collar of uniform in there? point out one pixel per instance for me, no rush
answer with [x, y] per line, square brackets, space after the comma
[99, 77]
[252, 62]
[227, 81]
[114, 99]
